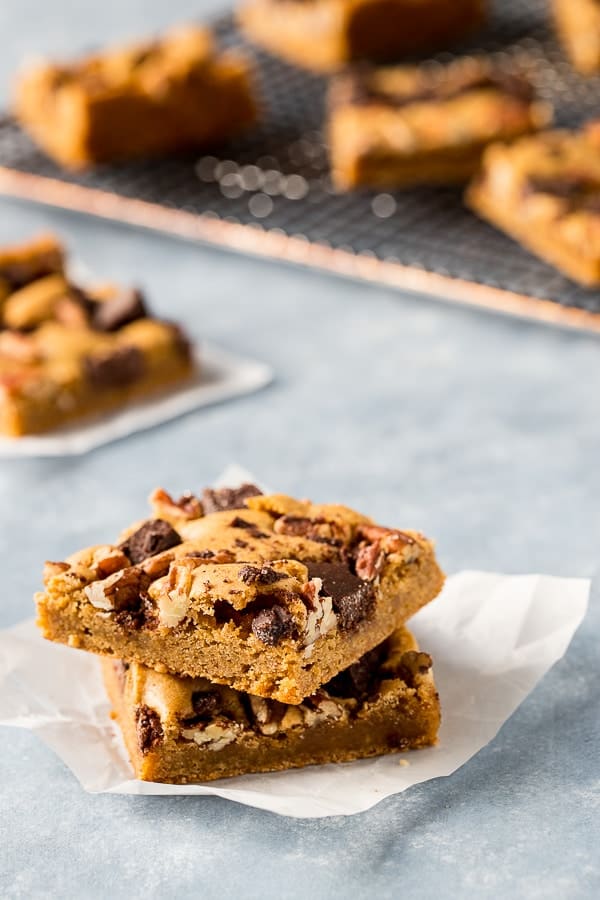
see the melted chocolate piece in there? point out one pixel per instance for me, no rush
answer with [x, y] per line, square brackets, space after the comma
[153, 537]
[120, 310]
[353, 599]
[148, 727]
[227, 498]
[264, 575]
[360, 679]
[567, 186]
[273, 625]
[205, 705]
[117, 369]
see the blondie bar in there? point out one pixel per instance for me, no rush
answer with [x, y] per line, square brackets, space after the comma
[185, 730]
[148, 99]
[325, 34]
[67, 353]
[545, 192]
[578, 26]
[270, 595]
[399, 126]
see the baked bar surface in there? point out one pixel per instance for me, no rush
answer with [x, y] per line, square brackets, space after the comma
[545, 192]
[68, 353]
[325, 34]
[185, 730]
[270, 595]
[578, 26]
[403, 125]
[146, 99]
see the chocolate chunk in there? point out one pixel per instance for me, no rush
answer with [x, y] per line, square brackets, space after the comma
[353, 599]
[228, 498]
[273, 625]
[250, 527]
[113, 370]
[124, 591]
[153, 537]
[148, 727]
[264, 575]
[200, 554]
[566, 187]
[205, 705]
[125, 307]
[359, 679]
[412, 664]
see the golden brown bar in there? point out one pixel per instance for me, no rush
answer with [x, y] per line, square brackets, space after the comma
[270, 595]
[404, 125]
[578, 26]
[67, 353]
[325, 34]
[184, 730]
[147, 99]
[544, 191]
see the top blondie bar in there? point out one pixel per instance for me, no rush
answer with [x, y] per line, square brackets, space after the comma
[270, 595]
[146, 99]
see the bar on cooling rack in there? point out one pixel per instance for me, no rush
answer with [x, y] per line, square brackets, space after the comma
[147, 99]
[544, 191]
[399, 126]
[325, 34]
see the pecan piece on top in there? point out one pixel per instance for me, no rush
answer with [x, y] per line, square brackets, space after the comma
[187, 507]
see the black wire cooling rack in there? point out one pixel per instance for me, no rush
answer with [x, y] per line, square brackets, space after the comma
[269, 193]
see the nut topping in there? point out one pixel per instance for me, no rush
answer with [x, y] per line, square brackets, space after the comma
[118, 592]
[187, 507]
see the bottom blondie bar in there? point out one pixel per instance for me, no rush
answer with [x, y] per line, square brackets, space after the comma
[186, 730]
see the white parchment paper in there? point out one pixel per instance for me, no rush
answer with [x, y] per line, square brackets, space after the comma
[492, 638]
[222, 375]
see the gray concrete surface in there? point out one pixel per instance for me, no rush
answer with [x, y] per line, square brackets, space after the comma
[482, 431]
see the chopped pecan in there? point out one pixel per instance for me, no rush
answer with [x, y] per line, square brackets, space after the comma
[54, 568]
[108, 560]
[187, 507]
[369, 560]
[119, 592]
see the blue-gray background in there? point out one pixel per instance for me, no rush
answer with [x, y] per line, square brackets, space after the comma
[480, 430]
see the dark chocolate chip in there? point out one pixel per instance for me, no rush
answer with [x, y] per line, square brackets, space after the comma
[149, 728]
[125, 307]
[153, 537]
[205, 705]
[117, 369]
[412, 664]
[360, 679]
[353, 599]
[200, 554]
[228, 498]
[250, 527]
[273, 625]
[566, 187]
[264, 575]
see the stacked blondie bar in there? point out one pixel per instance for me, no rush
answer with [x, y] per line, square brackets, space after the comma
[243, 632]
